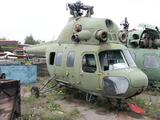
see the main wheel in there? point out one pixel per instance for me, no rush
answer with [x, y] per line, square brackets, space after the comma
[35, 91]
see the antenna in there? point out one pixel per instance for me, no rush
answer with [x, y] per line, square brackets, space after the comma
[125, 24]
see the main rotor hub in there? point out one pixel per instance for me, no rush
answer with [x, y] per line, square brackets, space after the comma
[76, 9]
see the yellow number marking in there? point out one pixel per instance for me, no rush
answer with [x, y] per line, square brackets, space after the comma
[65, 36]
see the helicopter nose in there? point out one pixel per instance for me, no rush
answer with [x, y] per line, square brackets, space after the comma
[138, 79]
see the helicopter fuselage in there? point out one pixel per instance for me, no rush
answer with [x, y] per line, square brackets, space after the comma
[148, 61]
[88, 56]
[80, 67]
[144, 46]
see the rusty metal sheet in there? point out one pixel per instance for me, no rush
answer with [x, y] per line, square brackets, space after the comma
[10, 107]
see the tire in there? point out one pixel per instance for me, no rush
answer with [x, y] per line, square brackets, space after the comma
[35, 91]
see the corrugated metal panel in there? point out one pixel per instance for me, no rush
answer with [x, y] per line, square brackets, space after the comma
[9, 63]
[26, 74]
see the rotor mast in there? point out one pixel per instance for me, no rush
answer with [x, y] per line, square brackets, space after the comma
[76, 9]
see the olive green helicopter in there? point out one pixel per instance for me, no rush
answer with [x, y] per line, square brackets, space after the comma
[88, 56]
[144, 45]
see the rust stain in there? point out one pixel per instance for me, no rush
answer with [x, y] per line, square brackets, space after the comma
[4, 114]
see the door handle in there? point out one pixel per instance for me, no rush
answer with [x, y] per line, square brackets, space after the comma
[98, 73]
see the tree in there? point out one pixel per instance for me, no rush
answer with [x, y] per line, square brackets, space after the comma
[3, 38]
[30, 40]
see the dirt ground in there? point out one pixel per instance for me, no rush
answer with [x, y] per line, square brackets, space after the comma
[98, 113]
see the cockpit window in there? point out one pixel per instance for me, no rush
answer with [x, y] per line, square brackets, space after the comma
[113, 59]
[130, 59]
[89, 63]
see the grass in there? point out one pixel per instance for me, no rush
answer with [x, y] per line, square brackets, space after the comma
[36, 107]
[94, 105]
[152, 109]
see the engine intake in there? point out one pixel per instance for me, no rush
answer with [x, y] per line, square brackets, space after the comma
[82, 35]
[101, 35]
[122, 37]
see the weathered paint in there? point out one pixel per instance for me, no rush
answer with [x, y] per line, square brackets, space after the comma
[26, 74]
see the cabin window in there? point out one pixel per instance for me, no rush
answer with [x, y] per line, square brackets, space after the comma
[70, 59]
[59, 58]
[150, 61]
[89, 63]
[113, 59]
[51, 58]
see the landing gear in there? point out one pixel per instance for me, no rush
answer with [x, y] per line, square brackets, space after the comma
[89, 96]
[35, 91]
[120, 106]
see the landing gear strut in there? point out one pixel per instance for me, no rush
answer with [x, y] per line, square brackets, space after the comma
[36, 91]
[120, 106]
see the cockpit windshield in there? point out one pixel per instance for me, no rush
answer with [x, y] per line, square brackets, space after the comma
[113, 59]
[130, 59]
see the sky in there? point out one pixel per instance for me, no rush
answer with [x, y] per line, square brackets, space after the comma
[45, 19]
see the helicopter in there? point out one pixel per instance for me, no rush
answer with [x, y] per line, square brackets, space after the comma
[88, 56]
[144, 45]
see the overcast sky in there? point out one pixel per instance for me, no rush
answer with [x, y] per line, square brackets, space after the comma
[45, 19]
